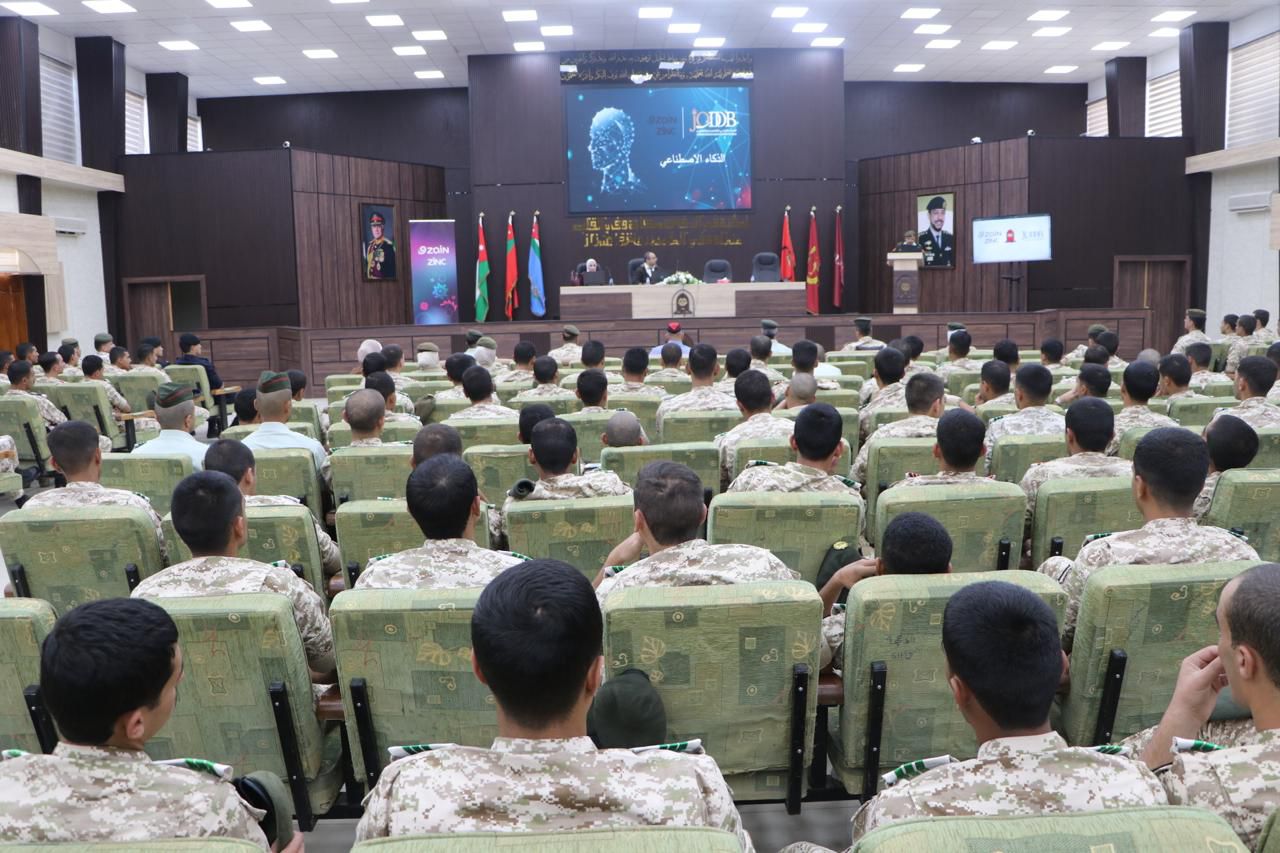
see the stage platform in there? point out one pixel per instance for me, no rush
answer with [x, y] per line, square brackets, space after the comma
[241, 354]
[675, 302]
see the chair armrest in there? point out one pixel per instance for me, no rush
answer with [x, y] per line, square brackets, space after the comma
[830, 689]
[132, 416]
[335, 585]
[329, 706]
[226, 389]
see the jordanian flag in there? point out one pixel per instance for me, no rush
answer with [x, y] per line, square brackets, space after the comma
[482, 276]
[537, 293]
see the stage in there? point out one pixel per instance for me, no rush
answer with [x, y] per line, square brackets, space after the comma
[676, 302]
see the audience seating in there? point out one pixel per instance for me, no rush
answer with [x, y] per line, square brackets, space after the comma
[20, 418]
[859, 367]
[507, 390]
[559, 405]
[580, 531]
[1219, 389]
[1068, 510]
[887, 415]
[341, 380]
[67, 556]
[164, 845]
[10, 483]
[701, 456]
[717, 269]
[631, 839]
[242, 431]
[643, 406]
[970, 394]
[415, 391]
[985, 520]
[570, 380]
[589, 429]
[443, 409]
[890, 460]
[764, 267]
[24, 724]
[393, 432]
[679, 427]
[307, 412]
[368, 473]
[990, 411]
[958, 380]
[85, 401]
[498, 466]
[1245, 500]
[671, 386]
[1012, 455]
[797, 527]
[290, 472]
[1129, 439]
[852, 383]
[776, 450]
[154, 477]
[138, 389]
[197, 377]
[477, 431]
[1268, 449]
[1196, 412]
[368, 529]
[1220, 351]
[845, 398]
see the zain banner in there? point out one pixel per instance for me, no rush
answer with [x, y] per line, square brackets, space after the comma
[434, 267]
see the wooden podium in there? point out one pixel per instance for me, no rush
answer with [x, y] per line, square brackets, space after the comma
[906, 281]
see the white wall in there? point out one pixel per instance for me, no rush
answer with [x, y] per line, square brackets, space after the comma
[8, 193]
[81, 258]
[1244, 273]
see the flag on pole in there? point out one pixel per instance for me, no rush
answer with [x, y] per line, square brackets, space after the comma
[837, 282]
[788, 252]
[482, 276]
[814, 269]
[537, 294]
[513, 273]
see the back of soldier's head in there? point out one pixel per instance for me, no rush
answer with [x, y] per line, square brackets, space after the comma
[19, 370]
[532, 415]
[1006, 351]
[1251, 611]
[536, 632]
[819, 429]
[592, 385]
[804, 388]
[702, 361]
[394, 354]
[1140, 380]
[229, 456]
[436, 440]
[754, 392]
[1232, 443]
[1273, 353]
[1092, 422]
[914, 346]
[381, 382]
[1035, 381]
[960, 343]
[372, 363]
[1173, 462]
[923, 390]
[6, 358]
[1200, 355]
[1263, 316]
[1002, 641]
[1096, 379]
[915, 544]
[72, 445]
[996, 374]
[554, 444]
[592, 354]
[804, 356]
[1052, 349]
[671, 353]
[635, 361]
[624, 430]
[204, 508]
[669, 496]
[545, 369]
[1177, 369]
[1247, 323]
[890, 365]
[68, 352]
[47, 360]
[1110, 341]
[440, 493]
[736, 361]
[761, 347]
[477, 384]
[1258, 372]
[458, 364]
[116, 354]
[863, 325]
[960, 438]
[523, 353]
[364, 409]
[1229, 320]
[245, 399]
[104, 659]
[1096, 354]
[297, 382]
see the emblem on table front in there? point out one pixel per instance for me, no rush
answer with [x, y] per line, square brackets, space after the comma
[682, 304]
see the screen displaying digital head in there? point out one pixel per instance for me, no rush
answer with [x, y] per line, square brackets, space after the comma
[658, 148]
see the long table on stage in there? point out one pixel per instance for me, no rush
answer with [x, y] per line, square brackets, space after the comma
[669, 301]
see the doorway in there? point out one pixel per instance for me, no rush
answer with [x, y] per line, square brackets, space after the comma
[1159, 282]
[164, 307]
[13, 312]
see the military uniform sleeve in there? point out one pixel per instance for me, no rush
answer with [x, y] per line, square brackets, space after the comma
[330, 558]
[238, 819]
[376, 822]
[721, 812]
[1191, 781]
[889, 805]
[1071, 575]
[313, 624]
[859, 470]
[215, 381]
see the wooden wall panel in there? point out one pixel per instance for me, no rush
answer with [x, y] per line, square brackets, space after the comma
[167, 113]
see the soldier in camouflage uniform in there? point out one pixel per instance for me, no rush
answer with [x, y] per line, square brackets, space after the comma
[703, 368]
[118, 362]
[546, 373]
[593, 354]
[1193, 325]
[889, 368]
[1051, 357]
[1092, 339]
[1201, 358]
[1255, 378]
[1169, 469]
[635, 366]
[959, 343]
[70, 352]
[819, 446]
[546, 774]
[760, 348]
[925, 401]
[1232, 444]
[454, 366]
[958, 451]
[569, 352]
[108, 699]
[21, 382]
[593, 391]
[802, 390]
[9, 454]
[148, 363]
[993, 385]
[1239, 345]
[1136, 389]
[478, 386]
[1175, 379]
[862, 339]
[1110, 341]
[522, 371]
[804, 359]
[93, 374]
[1032, 386]
[1264, 334]
[755, 401]
[208, 513]
[671, 356]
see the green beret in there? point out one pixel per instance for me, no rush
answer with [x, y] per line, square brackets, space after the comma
[1193, 313]
[955, 327]
[1097, 329]
[172, 394]
[270, 382]
[627, 712]
[473, 335]
[769, 324]
[487, 342]
[571, 331]
[72, 342]
[102, 338]
[427, 346]
[936, 203]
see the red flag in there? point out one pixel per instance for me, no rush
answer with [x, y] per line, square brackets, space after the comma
[513, 298]
[815, 267]
[788, 253]
[837, 284]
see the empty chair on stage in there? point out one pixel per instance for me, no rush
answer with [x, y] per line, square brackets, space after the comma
[717, 269]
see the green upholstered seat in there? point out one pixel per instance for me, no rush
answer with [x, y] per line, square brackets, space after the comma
[1073, 508]
[476, 431]
[443, 409]
[701, 456]
[958, 380]
[87, 401]
[20, 419]
[1012, 455]
[178, 845]
[368, 529]
[393, 432]
[10, 484]
[415, 391]
[579, 531]
[307, 412]
[1269, 838]
[291, 471]
[679, 427]
[507, 390]
[412, 648]
[896, 620]
[887, 415]
[798, 527]
[152, 476]
[589, 428]
[643, 406]
[73, 555]
[1220, 351]
[498, 466]
[368, 473]
[890, 460]
[1219, 389]
[723, 659]
[848, 421]
[569, 379]
[671, 386]
[845, 398]
[1268, 449]
[859, 367]
[1196, 412]
[242, 431]
[197, 377]
[342, 380]
[970, 394]
[1245, 499]
[560, 405]
[1129, 439]
[24, 623]
[1159, 405]
[851, 382]
[138, 389]
[751, 450]
[990, 412]
[631, 839]
[1156, 615]
[982, 518]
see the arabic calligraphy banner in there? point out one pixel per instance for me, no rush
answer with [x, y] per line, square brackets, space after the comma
[434, 267]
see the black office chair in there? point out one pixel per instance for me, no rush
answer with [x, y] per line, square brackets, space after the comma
[582, 267]
[764, 267]
[716, 269]
[633, 265]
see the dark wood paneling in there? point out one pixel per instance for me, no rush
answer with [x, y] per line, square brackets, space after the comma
[30, 195]
[781, 152]
[1202, 78]
[1126, 81]
[517, 124]
[167, 113]
[100, 80]
[20, 127]
[594, 306]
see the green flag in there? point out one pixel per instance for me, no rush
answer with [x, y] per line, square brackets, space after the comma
[482, 277]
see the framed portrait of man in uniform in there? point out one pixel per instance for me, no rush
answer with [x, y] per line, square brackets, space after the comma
[377, 242]
[935, 227]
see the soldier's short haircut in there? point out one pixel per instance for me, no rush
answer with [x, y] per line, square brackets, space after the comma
[231, 457]
[1248, 322]
[635, 361]
[1262, 315]
[1273, 353]
[18, 371]
[960, 343]
[592, 385]
[1259, 373]
[960, 437]
[524, 352]
[624, 430]
[440, 493]
[1176, 368]
[89, 365]
[1232, 443]
[364, 409]
[477, 384]
[804, 356]
[1230, 319]
[1174, 463]
[819, 429]
[1251, 615]
[890, 365]
[435, 440]
[72, 443]
[68, 352]
[702, 361]
[1200, 354]
[761, 347]
[915, 346]
[24, 350]
[116, 354]
[144, 351]
[536, 631]
[592, 354]
[1002, 641]
[175, 417]
[753, 391]
[457, 364]
[996, 374]
[669, 496]
[863, 326]
[923, 390]
[373, 363]
[394, 354]
[382, 383]
[297, 381]
[47, 360]
[915, 544]
[1109, 341]
[1096, 379]
[1141, 379]
[6, 358]
[530, 416]
[736, 362]
[1036, 382]
[1096, 354]
[205, 505]
[545, 369]
[671, 353]
[1006, 351]
[804, 387]
[1092, 422]
[1052, 349]
[104, 659]
[554, 442]
[1198, 322]
[244, 406]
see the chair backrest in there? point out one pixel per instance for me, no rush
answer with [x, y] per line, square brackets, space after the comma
[845, 398]
[498, 466]
[1129, 439]
[85, 401]
[1220, 351]
[589, 428]
[1268, 449]
[752, 636]
[886, 619]
[1074, 508]
[447, 407]
[20, 419]
[990, 412]
[630, 839]
[368, 529]
[717, 269]
[849, 425]
[859, 367]
[671, 386]
[1219, 389]
[136, 388]
[507, 390]
[633, 265]
[643, 406]
[152, 476]
[890, 460]
[1196, 411]
[180, 845]
[680, 427]
[291, 471]
[477, 431]
[887, 415]
[701, 456]
[1156, 615]
[344, 380]
[985, 519]
[751, 450]
[369, 473]
[1012, 455]
[242, 431]
[24, 623]
[1245, 499]
[764, 267]
[559, 405]
[412, 648]
[195, 376]
[308, 413]
[415, 391]
[580, 531]
[1269, 838]
[392, 432]
[72, 555]
[798, 527]
[970, 394]
[958, 380]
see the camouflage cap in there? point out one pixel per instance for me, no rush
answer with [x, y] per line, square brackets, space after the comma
[487, 342]
[102, 338]
[571, 331]
[1193, 313]
[627, 712]
[172, 394]
[1097, 329]
[70, 342]
[473, 335]
[270, 382]
[427, 346]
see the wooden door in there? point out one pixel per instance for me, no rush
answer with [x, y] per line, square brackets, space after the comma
[1159, 282]
[147, 311]
[13, 312]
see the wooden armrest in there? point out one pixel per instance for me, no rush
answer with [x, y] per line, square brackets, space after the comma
[335, 585]
[226, 389]
[830, 689]
[133, 416]
[329, 705]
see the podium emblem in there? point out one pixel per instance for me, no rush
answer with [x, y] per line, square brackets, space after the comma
[682, 304]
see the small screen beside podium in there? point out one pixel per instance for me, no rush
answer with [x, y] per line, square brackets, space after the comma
[1009, 239]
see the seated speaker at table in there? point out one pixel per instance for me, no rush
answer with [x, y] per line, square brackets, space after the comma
[647, 272]
[590, 271]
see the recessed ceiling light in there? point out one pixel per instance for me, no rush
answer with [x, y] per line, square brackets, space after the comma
[269, 81]
[178, 45]
[29, 10]
[512, 16]
[410, 50]
[1165, 32]
[1048, 15]
[346, 2]
[320, 53]
[806, 27]
[1110, 45]
[1171, 17]
[1051, 32]
[998, 45]
[229, 4]
[703, 54]
[433, 74]
[655, 12]
[1060, 69]
[109, 7]
[384, 20]
[932, 29]
[529, 46]
[918, 14]
[251, 26]
[557, 30]
[709, 41]
[429, 35]
[908, 68]
[670, 66]
[827, 41]
[683, 29]
[942, 44]
[790, 11]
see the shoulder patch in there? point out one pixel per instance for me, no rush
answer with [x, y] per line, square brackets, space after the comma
[1095, 536]
[853, 484]
[282, 564]
[1239, 534]
[7, 754]
[200, 765]
[521, 556]
[839, 546]
[762, 463]
[996, 418]
[373, 560]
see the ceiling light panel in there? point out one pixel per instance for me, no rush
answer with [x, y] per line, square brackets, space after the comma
[429, 35]
[320, 53]
[809, 27]
[384, 20]
[410, 50]
[1165, 33]
[942, 44]
[529, 46]
[1060, 69]
[431, 74]
[827, 41]
[1048, 15]
[932, 29]
[999, 45]
[683, 29]
[709, 41]
[269, 81]
[1051, 32]
[109, 7]
[515, 16]
[251, 26]
[1171, 17]
[790, 11]
[655, 12]
[908, 68]
[1111, 45]
[229, 4]
[557, 30]
[179, 45]
[919, 14]
[30, 10]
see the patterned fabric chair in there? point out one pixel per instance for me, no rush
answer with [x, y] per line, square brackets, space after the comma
[672, 386]
[850, 382]
[507, 390]
[1268, 450]
[177, 845]
[559, 405]
[498, 466]
[1153, 617]
[764, 450]
[307, 412]
[589, 428]
[633, 839]
[887, 415]
[1246, 499]
[152, 476]
[289, 472]
[848, 419]
[443, 409]
[405, 656]
[368, 529]
[643, 406]
[958, 380]
[890, 460]
[985, 520]
[393, 432]
[246, 699]
[845, 398]
[798, 528]
[415, 391]
[69, 556]
[10, 484]
[1129, 439]
[368, 473]
[85, 401]
[851, 365]
[24, 623]
[487, 431]
[1220, 389]
[242, 431]
[1196, 413]
[1014, 454]
[895, 674]
[989, 412]
[701, 456]
[1150, 829]
[724, 659]
[343, 380]
[1071, 509]
[195, 376]
[970, 394]
[138, 389]
[20, 418]
[679, 427]
[580, 531]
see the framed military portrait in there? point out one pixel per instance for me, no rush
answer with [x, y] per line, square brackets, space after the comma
[377, 242]
[935, 227]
